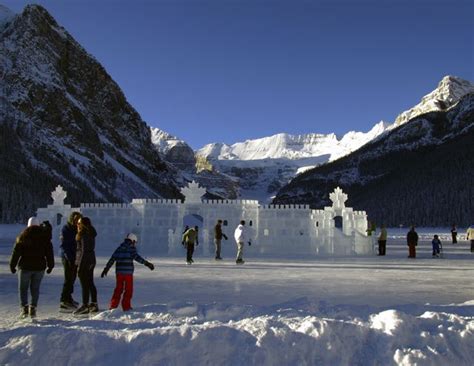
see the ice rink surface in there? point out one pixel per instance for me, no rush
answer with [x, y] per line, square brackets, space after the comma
[363, 310]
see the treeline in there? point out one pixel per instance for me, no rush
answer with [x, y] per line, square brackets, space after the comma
[26, 182]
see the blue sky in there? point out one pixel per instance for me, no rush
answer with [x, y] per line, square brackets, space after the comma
[227, 70]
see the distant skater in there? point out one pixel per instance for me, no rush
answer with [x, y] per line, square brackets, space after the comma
[123, 257]
[470, 236]
[85, 262]
[32, 253]
[218, 235]
[436, 243]
[454, 234]
[412, 242]
[382, 240]
[190, 238]
[241, 236]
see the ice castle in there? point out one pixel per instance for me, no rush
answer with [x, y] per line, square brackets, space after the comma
[277, 230]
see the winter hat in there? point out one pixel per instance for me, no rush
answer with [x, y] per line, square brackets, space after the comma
[33, 221]
[132, 237]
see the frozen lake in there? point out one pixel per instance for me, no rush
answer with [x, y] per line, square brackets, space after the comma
[381, 307]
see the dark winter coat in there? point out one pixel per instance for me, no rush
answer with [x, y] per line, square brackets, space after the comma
[68, 242]
[85, 253]
[412, 237]
[436, 243]
[124, 256]
[218, 234]
[32, 250]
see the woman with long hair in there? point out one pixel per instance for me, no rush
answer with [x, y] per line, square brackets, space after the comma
[85, 262]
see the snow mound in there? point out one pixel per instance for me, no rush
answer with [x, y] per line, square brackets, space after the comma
[196, 334]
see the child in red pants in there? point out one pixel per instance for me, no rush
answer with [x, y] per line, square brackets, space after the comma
[123, 257]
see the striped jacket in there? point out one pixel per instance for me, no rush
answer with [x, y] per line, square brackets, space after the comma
[123, 257]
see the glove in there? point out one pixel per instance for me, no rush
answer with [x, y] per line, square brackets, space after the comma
[225, 236]
[150, 265]
[250, 243]
[48, 271]
[103, 274]
[182, 243]
[13, 270]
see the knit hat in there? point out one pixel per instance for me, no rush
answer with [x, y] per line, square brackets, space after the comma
[132, 237]
[33, 221]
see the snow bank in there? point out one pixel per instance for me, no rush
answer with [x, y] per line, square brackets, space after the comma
[218, 334]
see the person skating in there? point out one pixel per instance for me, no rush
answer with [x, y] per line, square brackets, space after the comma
[470, 236]
[241, 236]
[85, 263]
[32, 253]
[190, 237]
[382, 240]
[436, 244]
[123, 258]
[218, 235]
[454, 234]
[68, 257]
[412, 242]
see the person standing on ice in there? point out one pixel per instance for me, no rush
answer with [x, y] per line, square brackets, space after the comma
[454, 234]
[436, 243]
[190, 237]
[68, 257]
[412, 242]
[32, 253]
[218, 235]
[470, 236]
[85, 263]
[123, 257]
[241, 236]
[382, 240]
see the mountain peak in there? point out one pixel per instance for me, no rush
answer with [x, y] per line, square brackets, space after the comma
[6, 15]
[448, 92]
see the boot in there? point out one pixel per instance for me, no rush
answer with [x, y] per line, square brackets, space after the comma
[24, 312]
[32, 311]
[93, 307]
[84, 309]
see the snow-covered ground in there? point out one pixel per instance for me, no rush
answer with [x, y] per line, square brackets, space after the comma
[341, 311]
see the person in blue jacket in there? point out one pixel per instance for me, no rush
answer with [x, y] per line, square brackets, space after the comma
[68, 257]
[123, 258]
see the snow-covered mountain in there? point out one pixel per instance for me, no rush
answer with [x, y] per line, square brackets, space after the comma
[418, 173]
[63, 120]
[178, 153]
[292, 147]
[264, 165]
[450, 90]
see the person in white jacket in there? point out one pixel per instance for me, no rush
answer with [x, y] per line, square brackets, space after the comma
[470, 236]
[241, 236]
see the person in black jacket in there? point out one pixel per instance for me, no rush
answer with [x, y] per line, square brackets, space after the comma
[218, 235]
[32, 253]
[412, 242]
[68, 257]
[85, 263]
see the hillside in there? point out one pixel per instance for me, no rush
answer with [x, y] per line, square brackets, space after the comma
[63, 120]
[419, 173]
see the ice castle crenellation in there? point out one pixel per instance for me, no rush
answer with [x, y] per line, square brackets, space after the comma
[277, 230]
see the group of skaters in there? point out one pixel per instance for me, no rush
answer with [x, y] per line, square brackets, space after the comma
[412, 240]
[191, 239]
[33, 254]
